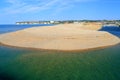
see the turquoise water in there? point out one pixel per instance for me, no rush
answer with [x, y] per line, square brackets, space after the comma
[23, 64]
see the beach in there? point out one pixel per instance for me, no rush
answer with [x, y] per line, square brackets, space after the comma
[66, 37]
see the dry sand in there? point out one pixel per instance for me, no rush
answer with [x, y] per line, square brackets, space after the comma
[61, 37]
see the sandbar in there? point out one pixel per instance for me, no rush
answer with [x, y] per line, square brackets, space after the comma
[66, 37]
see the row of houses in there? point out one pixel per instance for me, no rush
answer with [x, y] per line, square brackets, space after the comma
[50, 22]
[35, 22]
[104, 22]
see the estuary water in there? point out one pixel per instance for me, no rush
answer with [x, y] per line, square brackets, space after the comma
[23, 64]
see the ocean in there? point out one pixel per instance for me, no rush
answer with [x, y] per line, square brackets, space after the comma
[24, 64]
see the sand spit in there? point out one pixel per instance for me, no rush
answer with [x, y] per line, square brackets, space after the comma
[60, 37]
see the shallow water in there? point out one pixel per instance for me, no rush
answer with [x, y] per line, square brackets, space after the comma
[23, 64]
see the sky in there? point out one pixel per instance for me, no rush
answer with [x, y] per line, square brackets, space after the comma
[12, 11]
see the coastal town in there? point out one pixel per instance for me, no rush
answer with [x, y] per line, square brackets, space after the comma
[104, 22]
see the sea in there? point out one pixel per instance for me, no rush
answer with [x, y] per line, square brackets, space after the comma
[26, 64]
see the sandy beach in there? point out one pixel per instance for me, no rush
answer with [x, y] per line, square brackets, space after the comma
[61, 37]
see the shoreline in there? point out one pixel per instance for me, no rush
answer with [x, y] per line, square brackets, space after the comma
[40, 49]
[67, 37]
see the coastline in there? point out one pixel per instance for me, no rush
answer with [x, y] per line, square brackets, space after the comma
[79, 50]
[59, 38]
